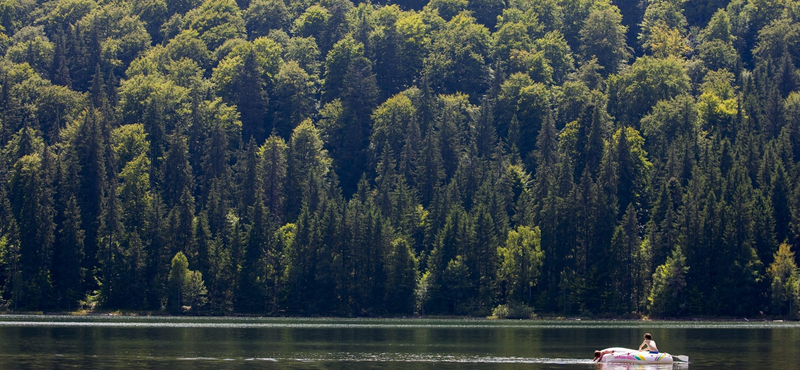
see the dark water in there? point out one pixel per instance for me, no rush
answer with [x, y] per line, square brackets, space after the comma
[60, 342]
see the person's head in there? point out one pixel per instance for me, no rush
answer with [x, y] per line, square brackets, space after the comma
[648, 336]
[596, 354]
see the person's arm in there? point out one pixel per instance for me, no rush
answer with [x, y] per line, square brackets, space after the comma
[644, 344]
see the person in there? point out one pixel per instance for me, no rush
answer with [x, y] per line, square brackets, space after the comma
[598, 355]
[649, 344]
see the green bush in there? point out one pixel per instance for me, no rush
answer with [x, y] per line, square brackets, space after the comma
[513, 311]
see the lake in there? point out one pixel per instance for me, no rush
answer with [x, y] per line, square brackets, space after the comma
[113, 342]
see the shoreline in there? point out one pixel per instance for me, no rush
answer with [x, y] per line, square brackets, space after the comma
[117, 313]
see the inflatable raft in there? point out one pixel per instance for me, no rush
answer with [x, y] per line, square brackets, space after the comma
[632, 356]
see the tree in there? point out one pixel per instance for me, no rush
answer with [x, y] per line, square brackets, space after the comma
[176, 283]
[38, 53]
[265, 15]
[522, 259]
[68, 247]
[447, 9]
[337, 65]
[667, 296]
[784, 285]
[520, 97]
[177, 175]
[603, 37]
[248, 93]
[389, 122]
[89, 145]
[154, 14]
[32, 206]
[59, 70]
[664, 18]
[293, 98]
[429, 168]
[401, 277]
[349, 146]
[450, 285]
[457, 61]
[630, 264]
[9, 248]
[181, 6]
[643, 84]
[216, 21]
[632, 167]
[308, 165]
[314, 22]
[252, 292]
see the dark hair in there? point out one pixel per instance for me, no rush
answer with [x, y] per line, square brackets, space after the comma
[596, 354]
[647, 336]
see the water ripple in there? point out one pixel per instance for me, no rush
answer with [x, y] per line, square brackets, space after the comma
[328, 323]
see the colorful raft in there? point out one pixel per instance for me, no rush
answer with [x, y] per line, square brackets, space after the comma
[632, 356]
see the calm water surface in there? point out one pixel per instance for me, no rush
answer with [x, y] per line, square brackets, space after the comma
[106, 342]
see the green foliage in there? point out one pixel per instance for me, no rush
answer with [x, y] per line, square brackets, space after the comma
[667, 297]
[522, 259]
[418, 157]
[216, 21]
[447, 9]
[265, 15]
[784, 285]
[178, 276]
[603, 37]
[513, 311]
[457, 62]
[38, 53]
[648, 80]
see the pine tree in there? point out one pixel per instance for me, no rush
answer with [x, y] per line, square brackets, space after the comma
[68, 274]
[273, 166]
[59, 70]
[429, 169]
[401, 277]
[177, 174]
[89, 148]
[251, 98]
[359, 97]
[32, 206]
[308, 164]
[9, 245]
[249, 179]
[251, 295]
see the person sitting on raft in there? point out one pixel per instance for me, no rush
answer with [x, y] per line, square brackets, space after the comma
[649, 344]
[598, 355]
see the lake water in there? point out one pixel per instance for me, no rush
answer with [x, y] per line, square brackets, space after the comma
[110, 342]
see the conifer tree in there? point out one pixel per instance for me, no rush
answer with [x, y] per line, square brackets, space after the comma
[59, 70]
[429, 169]
[89, 147]
[274, 168]
[68, 273]
[250, 97]
[32, 206]
[251, 295]
[9, 244]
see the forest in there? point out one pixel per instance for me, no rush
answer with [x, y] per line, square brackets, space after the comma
[452, 157]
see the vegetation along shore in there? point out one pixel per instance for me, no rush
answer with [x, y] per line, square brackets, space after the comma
[470, 158]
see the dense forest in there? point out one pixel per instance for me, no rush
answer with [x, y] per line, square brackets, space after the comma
[324, 157]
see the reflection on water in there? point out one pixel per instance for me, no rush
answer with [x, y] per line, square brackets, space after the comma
[608, 366]
[108, 342]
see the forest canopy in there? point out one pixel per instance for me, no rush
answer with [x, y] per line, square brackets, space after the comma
[451, 157]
